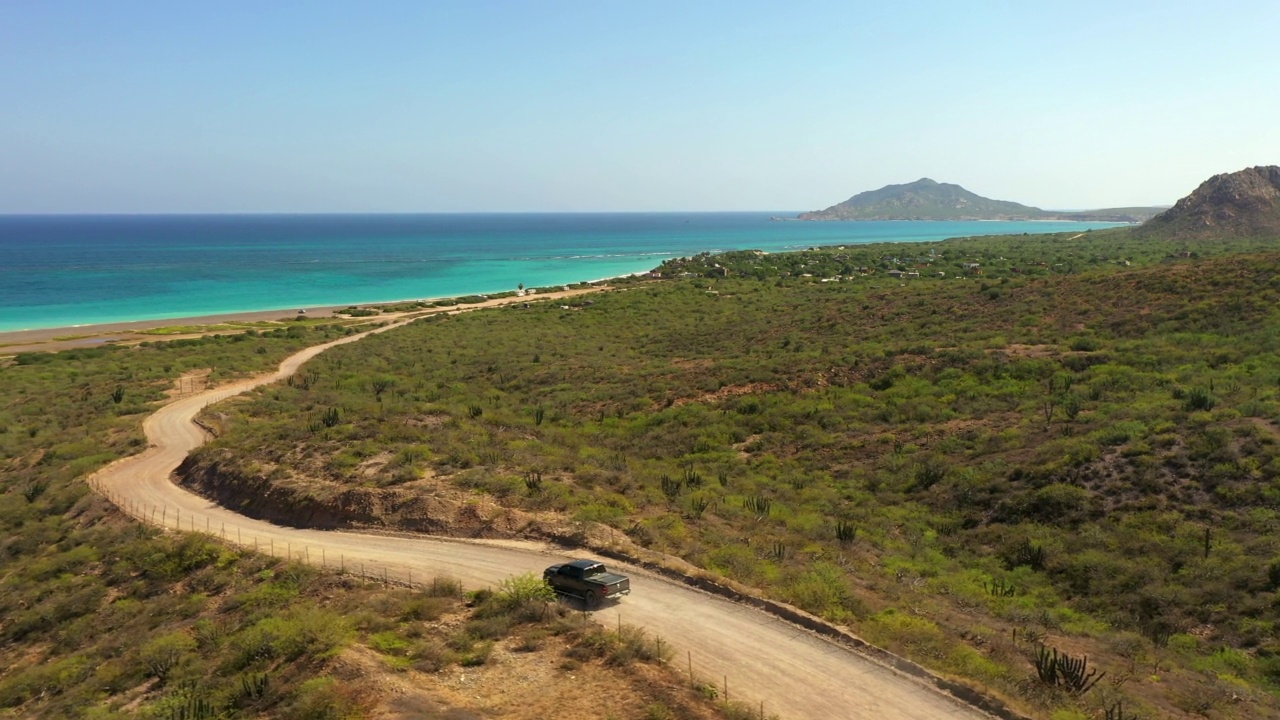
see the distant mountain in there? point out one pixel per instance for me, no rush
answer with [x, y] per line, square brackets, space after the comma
[1238, 204]
[1125, 214]
[927, 199]
[923, 199]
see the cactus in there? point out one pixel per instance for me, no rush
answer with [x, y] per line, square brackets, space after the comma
[1062, 670]
[779, 551]
[1200, 399]
[1027, 554]
[692, 478]
[758, 505]
[671, 487]
[304, 381]
[846, 531]
[254, 687]
[1158, 631]
[999, 587]
[195, 708]
[697, 506]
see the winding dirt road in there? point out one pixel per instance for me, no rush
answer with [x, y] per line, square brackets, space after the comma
[796, 674]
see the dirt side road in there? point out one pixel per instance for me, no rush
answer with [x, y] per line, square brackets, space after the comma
[796, 674]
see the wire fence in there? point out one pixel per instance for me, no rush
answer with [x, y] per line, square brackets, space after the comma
[174, 518]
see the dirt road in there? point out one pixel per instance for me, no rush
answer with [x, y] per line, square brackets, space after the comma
[797, 675]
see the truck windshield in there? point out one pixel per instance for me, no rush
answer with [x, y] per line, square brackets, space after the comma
[593, 570]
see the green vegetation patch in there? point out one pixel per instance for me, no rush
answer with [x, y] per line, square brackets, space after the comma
[1068, 436]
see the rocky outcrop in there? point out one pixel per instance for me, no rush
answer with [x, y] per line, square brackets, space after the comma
[1239, 204]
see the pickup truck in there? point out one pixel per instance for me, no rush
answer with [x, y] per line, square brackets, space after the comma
[588, 580]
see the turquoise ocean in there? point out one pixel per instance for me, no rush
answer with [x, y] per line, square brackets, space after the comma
[64, 271]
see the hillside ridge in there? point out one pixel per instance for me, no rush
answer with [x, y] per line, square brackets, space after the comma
[1245, 203]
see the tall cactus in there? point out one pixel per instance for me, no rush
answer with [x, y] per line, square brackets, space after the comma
[1065, 671]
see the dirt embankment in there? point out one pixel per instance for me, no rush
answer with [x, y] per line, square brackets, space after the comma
[439, 512]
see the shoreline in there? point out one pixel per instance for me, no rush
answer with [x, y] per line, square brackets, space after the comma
[73, 337]
[285, 313]
[91, 331]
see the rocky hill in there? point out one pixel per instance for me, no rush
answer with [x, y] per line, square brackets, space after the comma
[923, 199]
[1238, 204]
[927, 199]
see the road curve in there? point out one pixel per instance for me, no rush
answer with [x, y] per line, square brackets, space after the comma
[796, 674]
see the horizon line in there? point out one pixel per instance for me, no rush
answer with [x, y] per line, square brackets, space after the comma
[353, 213]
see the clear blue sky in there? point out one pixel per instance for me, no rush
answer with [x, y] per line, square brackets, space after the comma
[444, 106]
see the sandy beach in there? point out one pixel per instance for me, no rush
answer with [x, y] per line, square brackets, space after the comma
[82, 336]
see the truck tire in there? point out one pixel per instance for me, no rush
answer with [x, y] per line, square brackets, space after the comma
[590, 599]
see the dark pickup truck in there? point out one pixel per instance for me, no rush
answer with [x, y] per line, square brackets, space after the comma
[587, 579]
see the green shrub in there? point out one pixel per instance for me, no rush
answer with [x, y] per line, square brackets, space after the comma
[324, 698]
[162, 655]
[304, 630]
[388, 643]
[520, 590]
